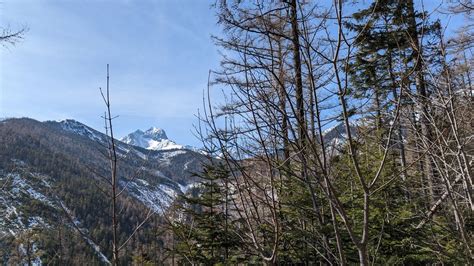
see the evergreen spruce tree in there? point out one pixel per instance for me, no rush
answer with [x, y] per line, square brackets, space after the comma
[381, 44]
[387, 62]
[205, 231]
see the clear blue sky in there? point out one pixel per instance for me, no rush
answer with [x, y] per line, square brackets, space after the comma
[159, 52]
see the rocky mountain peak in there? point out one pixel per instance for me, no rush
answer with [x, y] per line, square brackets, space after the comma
[152, 139]
[155, 133]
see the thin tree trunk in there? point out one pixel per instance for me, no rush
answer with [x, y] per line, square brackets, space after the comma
[113, 172]
[421, 93]
[298, 77]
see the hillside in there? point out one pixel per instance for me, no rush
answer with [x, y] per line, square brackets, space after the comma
[51, 169]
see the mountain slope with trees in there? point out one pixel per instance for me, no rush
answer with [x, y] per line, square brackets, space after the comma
[52, 178]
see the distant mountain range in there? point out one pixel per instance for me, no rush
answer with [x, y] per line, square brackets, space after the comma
[53, 168]
[62, 165]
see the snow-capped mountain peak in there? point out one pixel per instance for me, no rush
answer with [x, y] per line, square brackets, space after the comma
[156, 133]
[152, 139]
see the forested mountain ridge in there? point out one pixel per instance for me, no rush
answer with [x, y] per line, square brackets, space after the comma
[50, 173]
[48, 168]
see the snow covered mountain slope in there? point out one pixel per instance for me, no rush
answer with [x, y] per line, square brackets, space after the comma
[337, 133]
[30, 208]
[335, 137]
[53, 167]
[151, 139]
[78, 128]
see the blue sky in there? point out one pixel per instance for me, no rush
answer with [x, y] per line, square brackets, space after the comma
[159, 54]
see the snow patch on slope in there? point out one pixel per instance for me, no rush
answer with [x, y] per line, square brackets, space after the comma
[84, 233]
[80, 129]
[20, 185]
[158, 198]
[15, 192]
